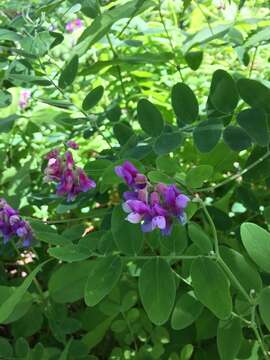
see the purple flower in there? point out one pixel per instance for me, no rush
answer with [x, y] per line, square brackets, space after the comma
[152, 208]
[11, 224]
[73, 25]
[24, 98]
[130, 174]
[71, 179]
[72, 144]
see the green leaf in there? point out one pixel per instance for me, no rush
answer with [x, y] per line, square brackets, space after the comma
[244, 272]
[5, 98]
[176, 242]
[254, 122]
[211, 287]
[186, 311]
[102, 23]
[264, 302]
[200, 238]
[128, 237]
[184, 103]
[7, 123]
[157, 176]
[205, 35]
[254, 93]
[258, 37]
[122, 133]
[194, 59]
[186, 352]
[102, 278]
[70, 252]
[236, 138]
[256, 241]
[69, 73]
[9, 304]
[37, 45]
[93, 98]
[6, 350]
[6, 34]
[62, 104]
[196, 176]
[157, 290]
[223, 92]
[46, 233]
[66, 285]
[229, 338]
[167, 142]
[150, 118]
[207, 134]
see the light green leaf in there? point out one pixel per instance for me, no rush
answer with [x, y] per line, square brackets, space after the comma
[9, 305]
[256, 241]
[196, 176]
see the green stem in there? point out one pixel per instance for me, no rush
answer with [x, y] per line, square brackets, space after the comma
[75, 106]
[170, 41]
[212, 225]
[254, 327]
[236, 176]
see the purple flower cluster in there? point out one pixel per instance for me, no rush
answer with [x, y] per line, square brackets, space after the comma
[73, 25]
[152, 207]
[71, 179]
[11, 224]
[24, 98]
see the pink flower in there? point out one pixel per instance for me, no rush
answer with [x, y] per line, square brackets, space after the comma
[24, 98]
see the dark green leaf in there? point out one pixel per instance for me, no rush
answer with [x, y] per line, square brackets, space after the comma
[167, 142]
[5, 98]
[223, 92]
[157, 290]
[69, 73]
[150, 118]
[229, 338]
[185, 103]
[6, 124]
[194, 59]
[200, 238]
[128, 237]
[102, 278]
[67, 282]
[236, 138]
[93, 98]
[254, 93]
[186, 311]
[207, 134]
[211, 286]
[122, 133]
[254, 122]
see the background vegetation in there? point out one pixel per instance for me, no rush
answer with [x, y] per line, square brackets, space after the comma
[98, 287]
